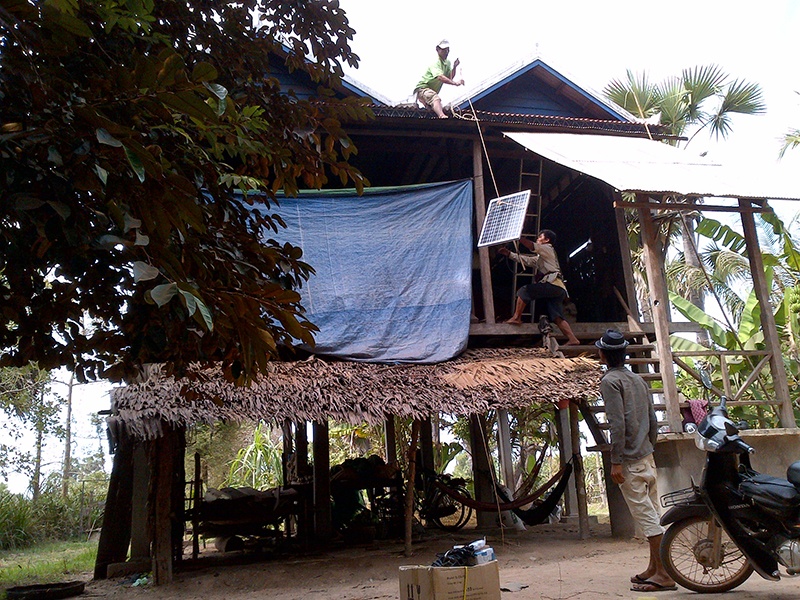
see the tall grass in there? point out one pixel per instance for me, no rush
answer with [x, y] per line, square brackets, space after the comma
[46, 563]
[24, 522]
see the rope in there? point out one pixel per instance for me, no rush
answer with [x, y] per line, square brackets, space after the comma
[494, 480]
[474, 117]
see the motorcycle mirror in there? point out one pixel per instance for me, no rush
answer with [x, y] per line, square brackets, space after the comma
[705, 377]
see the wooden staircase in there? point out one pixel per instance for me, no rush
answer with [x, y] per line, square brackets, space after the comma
[642, 359]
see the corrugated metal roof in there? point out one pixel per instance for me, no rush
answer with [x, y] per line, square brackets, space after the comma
[641, 165]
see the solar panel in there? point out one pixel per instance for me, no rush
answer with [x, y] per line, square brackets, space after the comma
[504, 219]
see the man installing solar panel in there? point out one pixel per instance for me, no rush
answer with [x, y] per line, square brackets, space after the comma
[549, 286]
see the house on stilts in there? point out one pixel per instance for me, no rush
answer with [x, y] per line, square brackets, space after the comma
[586, 162]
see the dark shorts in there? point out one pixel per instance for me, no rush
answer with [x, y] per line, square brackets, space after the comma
[552, 295]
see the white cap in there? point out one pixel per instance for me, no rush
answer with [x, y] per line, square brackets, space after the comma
[443, 44]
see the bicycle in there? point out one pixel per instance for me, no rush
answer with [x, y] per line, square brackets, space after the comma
[436, 506]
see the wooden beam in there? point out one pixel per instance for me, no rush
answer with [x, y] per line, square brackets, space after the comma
[688, 207]
[659, 297]
[627, 268]
[771, 339]
[480, 215]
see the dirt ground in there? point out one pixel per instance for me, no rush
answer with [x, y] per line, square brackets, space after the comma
[549, 562]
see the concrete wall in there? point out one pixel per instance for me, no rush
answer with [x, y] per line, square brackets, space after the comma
[678, 459]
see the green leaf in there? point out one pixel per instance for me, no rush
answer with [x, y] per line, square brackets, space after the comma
[750, 321]
[721, 233]
[70, 23]
[54, 156]
[161, 294]
[28, 203]
[218, 90]
[206, 314]
[144, 272]
[106, 138]
[189, 104]
[141, 239]
[101, 173]
[204, 72]
[136, 164]
[130, 222]
[190, 300]
[696, 315]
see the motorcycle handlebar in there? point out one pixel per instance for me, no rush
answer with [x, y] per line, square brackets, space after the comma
[744, 446]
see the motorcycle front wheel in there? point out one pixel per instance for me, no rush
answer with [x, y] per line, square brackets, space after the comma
[699, 555]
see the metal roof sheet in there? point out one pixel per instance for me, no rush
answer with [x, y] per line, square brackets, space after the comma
[641, 165]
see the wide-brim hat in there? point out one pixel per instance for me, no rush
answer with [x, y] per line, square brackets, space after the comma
[612, 340]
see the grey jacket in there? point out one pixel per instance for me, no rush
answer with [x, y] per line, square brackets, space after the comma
[630, 413]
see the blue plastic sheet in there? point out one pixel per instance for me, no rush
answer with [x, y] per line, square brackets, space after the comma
[393, 270]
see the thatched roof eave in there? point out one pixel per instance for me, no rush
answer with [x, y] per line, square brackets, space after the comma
[355, 392]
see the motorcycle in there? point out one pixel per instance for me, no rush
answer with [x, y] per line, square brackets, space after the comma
[736, 521]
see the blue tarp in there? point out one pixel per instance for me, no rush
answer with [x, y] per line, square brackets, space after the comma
[393, 270]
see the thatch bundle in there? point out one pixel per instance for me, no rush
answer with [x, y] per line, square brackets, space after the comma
[354, 392]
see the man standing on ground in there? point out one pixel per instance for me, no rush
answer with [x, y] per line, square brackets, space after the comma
[440, 72]
[634, 429]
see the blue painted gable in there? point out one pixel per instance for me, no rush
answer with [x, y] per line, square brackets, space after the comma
[535, 88]
[304, 88]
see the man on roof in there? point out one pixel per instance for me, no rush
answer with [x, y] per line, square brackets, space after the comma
[439, 73]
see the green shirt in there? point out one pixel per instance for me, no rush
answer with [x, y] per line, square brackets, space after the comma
[431, 77]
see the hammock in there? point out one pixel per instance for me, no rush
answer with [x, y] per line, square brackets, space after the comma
[561, 477]
[539, 513]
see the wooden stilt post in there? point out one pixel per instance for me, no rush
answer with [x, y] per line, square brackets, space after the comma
[161, 468]
[565, 453]
[480, 214]
[771, 339]
[390, 440]
[578, 473]
[140, 533]
[323, 525]
[197, 499]
[426, 445]
[115, 535]
[410, 480]
[481, 469]
[504, 447]
[659, 297]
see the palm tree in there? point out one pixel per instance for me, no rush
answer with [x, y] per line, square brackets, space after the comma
[790, 140]
[702, 98]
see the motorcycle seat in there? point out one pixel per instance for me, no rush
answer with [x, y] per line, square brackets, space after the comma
[770, 492]
[793, 474]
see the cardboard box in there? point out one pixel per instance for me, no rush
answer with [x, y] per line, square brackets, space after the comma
[481, 582]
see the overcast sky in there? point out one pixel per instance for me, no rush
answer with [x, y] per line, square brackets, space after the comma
[593, 42]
